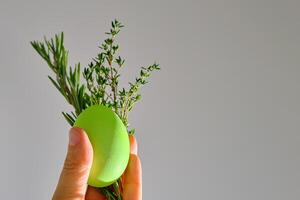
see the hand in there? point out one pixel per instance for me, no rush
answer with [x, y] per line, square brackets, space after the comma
[72, 183]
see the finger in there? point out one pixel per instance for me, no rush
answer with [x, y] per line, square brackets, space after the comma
[72, 184]
[133, 179]
[133, 145]
[133, 150]
[93, 194]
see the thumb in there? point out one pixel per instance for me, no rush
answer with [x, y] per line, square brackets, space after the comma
[72, 183]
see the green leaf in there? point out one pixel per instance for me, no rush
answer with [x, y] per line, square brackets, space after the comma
[56, 85]
[69, 118]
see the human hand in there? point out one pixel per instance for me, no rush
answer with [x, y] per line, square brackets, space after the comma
[72, 183]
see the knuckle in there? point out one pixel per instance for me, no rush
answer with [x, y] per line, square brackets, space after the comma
[75, 166]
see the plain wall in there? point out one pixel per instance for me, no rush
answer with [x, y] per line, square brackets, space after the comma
[220, 121]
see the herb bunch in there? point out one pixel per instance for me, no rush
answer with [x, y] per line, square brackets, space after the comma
[100, 85]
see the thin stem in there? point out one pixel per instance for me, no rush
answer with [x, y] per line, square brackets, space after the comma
[112, 75]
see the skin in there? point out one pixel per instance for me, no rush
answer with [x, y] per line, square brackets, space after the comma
[72, 183]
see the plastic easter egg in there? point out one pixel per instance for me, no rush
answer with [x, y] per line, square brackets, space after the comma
[109, 139]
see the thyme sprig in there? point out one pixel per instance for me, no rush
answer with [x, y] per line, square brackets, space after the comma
[101, 85]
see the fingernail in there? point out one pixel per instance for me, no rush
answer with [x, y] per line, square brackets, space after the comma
[73, 137]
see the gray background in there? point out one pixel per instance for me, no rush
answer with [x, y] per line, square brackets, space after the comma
[220, 121]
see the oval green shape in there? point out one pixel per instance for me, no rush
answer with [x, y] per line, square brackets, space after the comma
[109, 138]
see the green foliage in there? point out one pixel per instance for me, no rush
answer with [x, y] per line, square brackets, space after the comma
[101, 82]
[66, 81]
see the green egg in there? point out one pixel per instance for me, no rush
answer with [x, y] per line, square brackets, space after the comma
[109, 138]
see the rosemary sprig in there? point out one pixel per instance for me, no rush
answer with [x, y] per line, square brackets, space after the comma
[101, 82]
